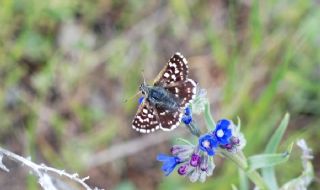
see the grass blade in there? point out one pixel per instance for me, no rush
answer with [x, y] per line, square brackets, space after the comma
[268, 160]
[269, 173]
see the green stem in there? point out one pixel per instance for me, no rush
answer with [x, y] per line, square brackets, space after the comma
[240, 160]
[208, 118]
[194, 129]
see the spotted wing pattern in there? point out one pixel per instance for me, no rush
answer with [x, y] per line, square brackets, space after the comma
[169, 120]
[184, 91]
[146, 119]
[176, 70]
[174, 78]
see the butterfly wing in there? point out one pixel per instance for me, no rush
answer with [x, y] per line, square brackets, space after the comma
[146, 119]
[184, 91]
[174, 78]
[169, 120]
[176, 70]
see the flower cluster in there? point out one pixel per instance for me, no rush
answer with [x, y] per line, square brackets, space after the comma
[225, 136]
[192, 162]
[196, 161]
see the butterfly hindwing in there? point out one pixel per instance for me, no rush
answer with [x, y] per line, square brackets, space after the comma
[176, 70]
[146, 119]
[184, 91]
[169, 119]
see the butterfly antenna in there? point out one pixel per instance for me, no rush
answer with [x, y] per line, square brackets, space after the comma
[130, 98]
[144, 79]
[144, 82]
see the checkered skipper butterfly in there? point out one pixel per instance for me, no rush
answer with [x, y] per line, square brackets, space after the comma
[165, 100]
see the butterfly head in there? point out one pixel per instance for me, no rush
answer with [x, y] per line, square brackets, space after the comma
[144, 88]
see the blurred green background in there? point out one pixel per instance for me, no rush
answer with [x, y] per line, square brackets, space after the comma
[66, 67]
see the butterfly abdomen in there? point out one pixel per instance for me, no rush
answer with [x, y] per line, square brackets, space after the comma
[160, 97]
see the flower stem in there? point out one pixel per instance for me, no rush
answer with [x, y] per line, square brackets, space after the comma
[240, 160]
[194, 129]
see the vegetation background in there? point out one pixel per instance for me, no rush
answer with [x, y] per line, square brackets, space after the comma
[66, 67]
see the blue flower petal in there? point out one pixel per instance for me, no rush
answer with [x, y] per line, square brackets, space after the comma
[140, 100]
[186, 119]
[187, 111]
[169, 163]
[208, 143]
[223, 131]
[210, 152]
[162, 157]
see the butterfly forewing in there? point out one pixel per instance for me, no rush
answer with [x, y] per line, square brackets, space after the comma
[146, 119]
[176, 70]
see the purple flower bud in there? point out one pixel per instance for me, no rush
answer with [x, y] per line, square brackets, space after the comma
[228, 146]
[182, 170]
[235, 141]
[195, 160]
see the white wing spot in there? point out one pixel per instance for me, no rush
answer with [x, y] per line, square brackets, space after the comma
[166, 75]
[139, 117]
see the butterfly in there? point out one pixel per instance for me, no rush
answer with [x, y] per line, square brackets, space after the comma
[165, 101]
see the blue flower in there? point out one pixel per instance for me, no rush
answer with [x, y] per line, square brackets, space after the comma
[187, 117]
[187, 111]
[223, 131]
[207, 143]
[169, 163]
[140, 100]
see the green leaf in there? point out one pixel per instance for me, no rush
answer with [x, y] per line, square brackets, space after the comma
[243, 179]
[238, 123]
[184, 141]
[211, 125]
[268, 160]
[277, 136]
[234, 187]
[268, 173]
